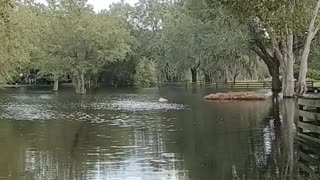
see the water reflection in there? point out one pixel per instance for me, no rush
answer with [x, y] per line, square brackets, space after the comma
[271, 154]
[84, 151]
[128, 135]
[308, 160]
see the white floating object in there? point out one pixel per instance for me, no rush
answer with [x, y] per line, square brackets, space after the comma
[163, 100]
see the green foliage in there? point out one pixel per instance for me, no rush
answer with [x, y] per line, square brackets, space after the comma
[48, 57]
[124, 44]
[313, 74]
[314, 64]
[120, 73]
[77, 41]
[145, 73]
[274, 16]
[90, 41]
[193, 36]
[17, 37]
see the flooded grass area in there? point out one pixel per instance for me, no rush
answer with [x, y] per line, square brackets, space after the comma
[127, 134]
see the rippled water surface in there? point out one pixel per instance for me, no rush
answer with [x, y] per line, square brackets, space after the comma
[126, 134]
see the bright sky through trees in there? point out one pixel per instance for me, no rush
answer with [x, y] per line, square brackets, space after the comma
[101, 4]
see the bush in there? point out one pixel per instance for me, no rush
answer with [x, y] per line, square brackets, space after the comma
[313, 74]
[145, 75]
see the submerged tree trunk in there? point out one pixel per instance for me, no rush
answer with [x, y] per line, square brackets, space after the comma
[237, 73]
[77, 83]
[82, 83]
[276, 83]
[284, 52]
[235, 78]
[168, 77]
[274, 70]
[89, 83]
[95, 81]
[272, 62]
[312, 31]
[226, 75]
[194, 74]
[55, 83]
[207, 77]
[273, 65]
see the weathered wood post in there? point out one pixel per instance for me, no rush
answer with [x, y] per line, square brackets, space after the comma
[309, 119]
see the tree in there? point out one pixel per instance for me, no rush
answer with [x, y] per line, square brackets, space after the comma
[16, 36]
[46, 56]
[6, 10]
[272, 25]
[197, 39]
[179, 41]
[312, 31]
[88, 41]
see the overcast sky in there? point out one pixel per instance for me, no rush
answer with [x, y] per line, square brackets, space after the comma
[101, 4]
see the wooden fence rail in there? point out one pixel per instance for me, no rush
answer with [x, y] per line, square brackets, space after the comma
[309, 119]
[308, 135]
[240, 85]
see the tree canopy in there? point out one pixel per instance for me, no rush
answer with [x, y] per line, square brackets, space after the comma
[156, 40]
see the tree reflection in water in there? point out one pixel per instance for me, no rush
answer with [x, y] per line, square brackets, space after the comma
[271, 155]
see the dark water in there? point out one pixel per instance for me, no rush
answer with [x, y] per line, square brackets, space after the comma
[126, 134]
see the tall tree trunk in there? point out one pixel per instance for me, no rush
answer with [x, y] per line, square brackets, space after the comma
[276, 83]
[226, 74]
[83, 83]
[55, 83]
[89, 83]
[282, 55]
[235, 78]
[312, 31]
[77, 83]
[96, 83]
[272, 62]
[273, 65]
[207, 77]
[194, 74]
[288, 91]
[284, 52]
[236, 74]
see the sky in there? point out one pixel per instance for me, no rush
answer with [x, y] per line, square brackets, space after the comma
[101, 4]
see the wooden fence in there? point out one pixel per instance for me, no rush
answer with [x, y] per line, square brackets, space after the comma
[309, 119]
[308, 138]
[232, 85]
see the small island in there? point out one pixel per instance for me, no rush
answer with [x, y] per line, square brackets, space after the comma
[237, 96]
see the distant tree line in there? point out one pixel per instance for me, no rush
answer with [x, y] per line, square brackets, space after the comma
[161, 41]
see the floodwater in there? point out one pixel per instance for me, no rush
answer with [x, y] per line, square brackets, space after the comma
[126, 134]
